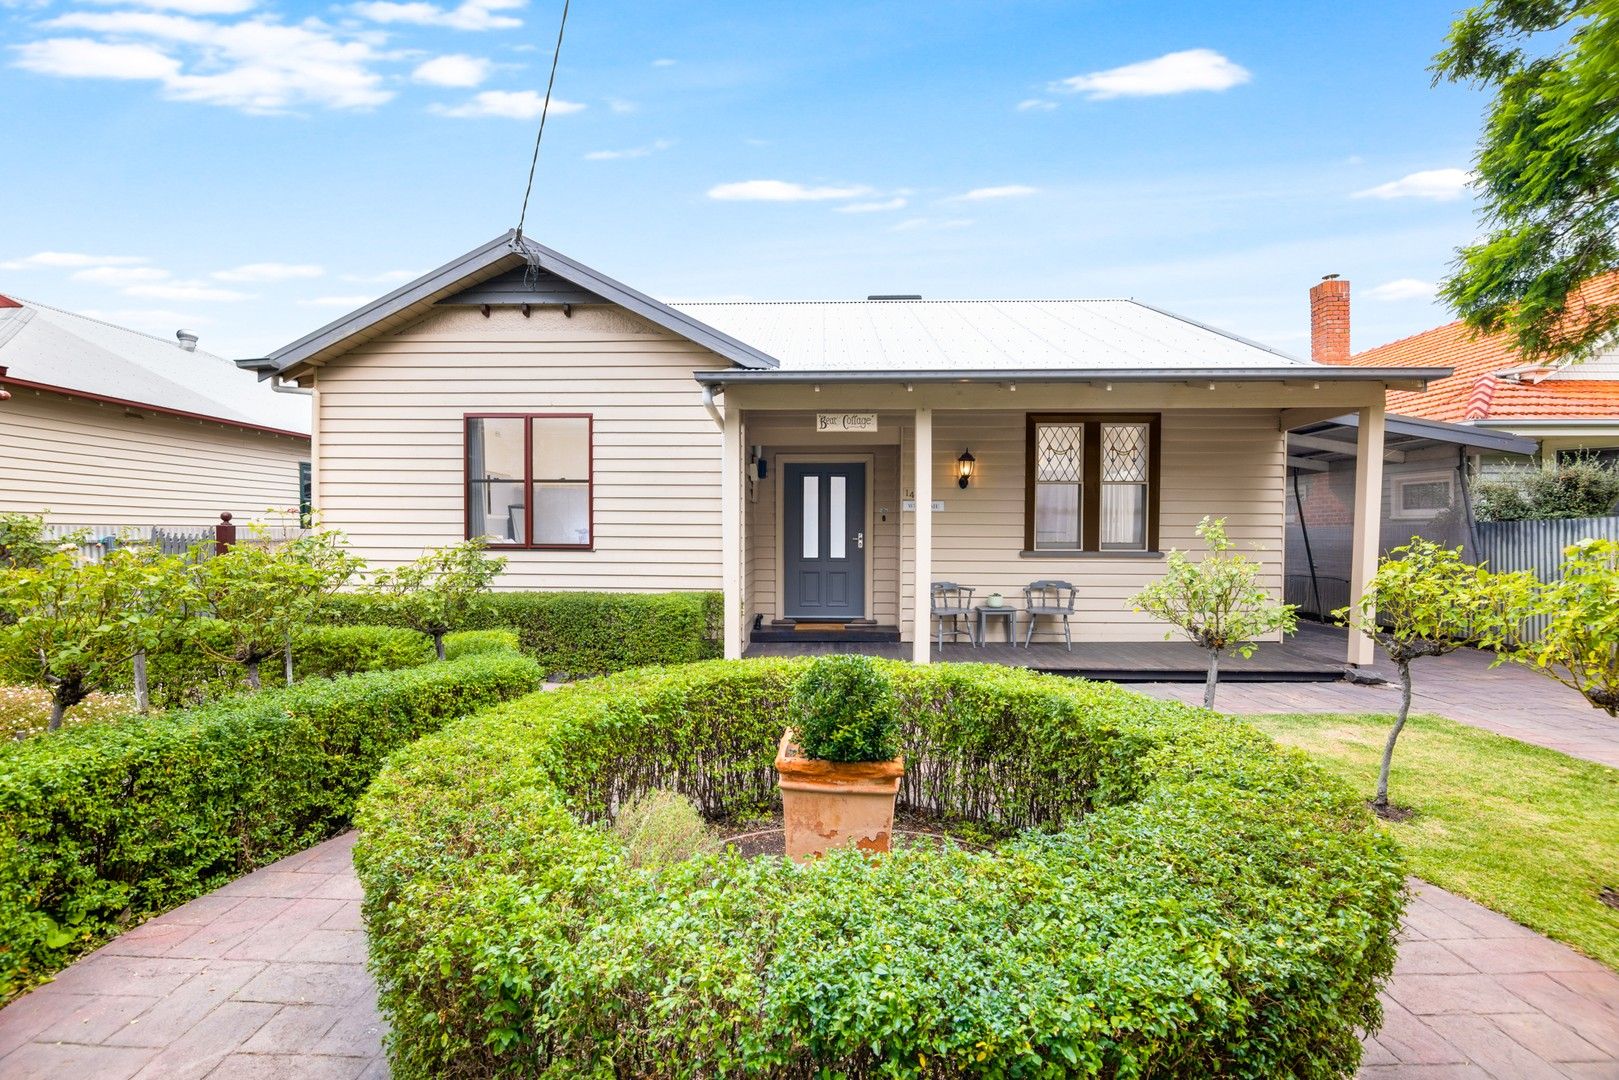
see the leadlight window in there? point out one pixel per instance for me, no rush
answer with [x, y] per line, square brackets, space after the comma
[1092, 483]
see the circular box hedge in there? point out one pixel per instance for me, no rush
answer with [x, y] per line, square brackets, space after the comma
[1173, 894]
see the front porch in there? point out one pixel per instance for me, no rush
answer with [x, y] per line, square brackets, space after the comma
[1314, 654]
[828, 524]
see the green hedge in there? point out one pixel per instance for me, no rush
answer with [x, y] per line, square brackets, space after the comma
[105, 824]
[477, 642]
[330, 651]
[1173, 894]
[586, 633]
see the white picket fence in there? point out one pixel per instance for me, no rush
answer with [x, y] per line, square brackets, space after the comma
[98, 539]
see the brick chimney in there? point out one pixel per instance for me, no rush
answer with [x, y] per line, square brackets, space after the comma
[1329, 321]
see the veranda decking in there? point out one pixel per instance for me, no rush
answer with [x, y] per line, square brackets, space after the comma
[1314, 654]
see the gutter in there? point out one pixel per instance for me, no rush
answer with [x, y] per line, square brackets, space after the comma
[1074, 375]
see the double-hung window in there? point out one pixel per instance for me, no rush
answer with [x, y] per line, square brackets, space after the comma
[529, 479]
[1091, 483]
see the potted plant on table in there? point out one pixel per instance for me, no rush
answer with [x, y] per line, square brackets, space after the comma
[839, 764]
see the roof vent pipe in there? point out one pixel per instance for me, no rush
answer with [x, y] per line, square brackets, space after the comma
[187, 339]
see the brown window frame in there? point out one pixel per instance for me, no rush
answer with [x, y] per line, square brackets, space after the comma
[528, 475]
[1090, 505]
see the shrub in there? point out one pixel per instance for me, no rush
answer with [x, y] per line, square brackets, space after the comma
[327, 651]
[584, 633]
[1177, 896]
[477, 642]
[843, 710]
[103, 824]
[662, 827]
[1575, 488]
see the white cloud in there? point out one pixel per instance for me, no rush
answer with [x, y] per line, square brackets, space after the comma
[119, 275]
[653, 147]
[383, 278]
[663, 61]
[189, 7]
[70, 259]
[256, 65]
[85, 58]
[454, 69]
[783, 191]
[468, 15]
[1035, 105]
[337, 301]
[192, 291]
[930, 224]
[622, 106]
[1003, 191]
[896, 203]
[270, 271]
[1441, 185]
[1402, 289]
[510, 104]
[1173, 73]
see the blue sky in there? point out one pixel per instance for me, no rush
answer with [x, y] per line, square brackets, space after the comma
[254, 168]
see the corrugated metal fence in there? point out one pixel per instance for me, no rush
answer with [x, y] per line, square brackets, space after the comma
[1538, 546]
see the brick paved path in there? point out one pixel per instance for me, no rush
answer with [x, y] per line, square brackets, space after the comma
[265, 979]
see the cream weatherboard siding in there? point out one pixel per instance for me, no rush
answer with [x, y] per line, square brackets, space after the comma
[88, 464]
[1227, 463]
[1223, 462]
[389, 427]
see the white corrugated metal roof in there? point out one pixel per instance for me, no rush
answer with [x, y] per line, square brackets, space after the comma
[981, 335]
[56, 348]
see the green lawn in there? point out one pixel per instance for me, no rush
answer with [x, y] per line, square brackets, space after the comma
[1531, 833]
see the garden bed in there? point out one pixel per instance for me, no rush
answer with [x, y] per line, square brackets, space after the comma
[1161, 892]
[104, 824]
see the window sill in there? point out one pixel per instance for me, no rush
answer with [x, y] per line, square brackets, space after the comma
[539, 547]
[1054, 554]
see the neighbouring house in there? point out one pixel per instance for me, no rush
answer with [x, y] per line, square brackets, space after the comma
[114, 429]
[1428, 465]
[820, 463]
[1566, 408]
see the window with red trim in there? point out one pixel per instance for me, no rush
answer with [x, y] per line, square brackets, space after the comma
[529, 479]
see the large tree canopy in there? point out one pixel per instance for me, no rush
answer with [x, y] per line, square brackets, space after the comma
[1547, 171]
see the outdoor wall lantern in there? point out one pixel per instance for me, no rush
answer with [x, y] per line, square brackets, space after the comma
[965, 464]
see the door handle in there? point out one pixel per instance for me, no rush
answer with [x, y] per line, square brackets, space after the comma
[860, 540]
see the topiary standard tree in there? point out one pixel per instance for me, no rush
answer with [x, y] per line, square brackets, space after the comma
[1424, 600]
[435, 592]
[73, 627]
[1216, 602]
[1580, 645]
[259, 593]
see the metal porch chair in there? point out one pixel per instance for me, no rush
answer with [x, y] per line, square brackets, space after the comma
[954, 602]
[1053, 599]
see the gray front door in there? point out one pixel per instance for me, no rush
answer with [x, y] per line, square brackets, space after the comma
[824, 541]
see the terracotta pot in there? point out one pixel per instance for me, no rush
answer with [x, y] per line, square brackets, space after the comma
[828, 804]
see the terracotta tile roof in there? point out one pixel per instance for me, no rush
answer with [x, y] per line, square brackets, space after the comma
[1478, 389]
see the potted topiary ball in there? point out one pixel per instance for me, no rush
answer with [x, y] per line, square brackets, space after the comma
[839, 764]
